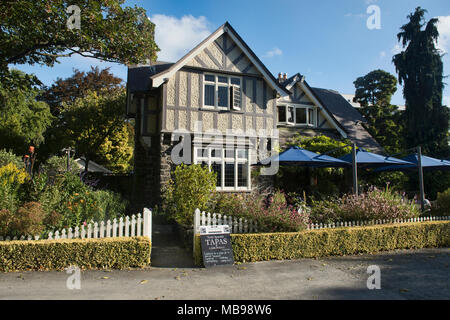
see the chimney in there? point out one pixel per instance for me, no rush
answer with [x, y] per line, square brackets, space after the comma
[285, 77]
[280, 77]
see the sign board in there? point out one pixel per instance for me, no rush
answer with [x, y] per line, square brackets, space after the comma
[216, 245]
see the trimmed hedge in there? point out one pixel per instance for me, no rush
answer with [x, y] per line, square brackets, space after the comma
[331, 242]
[104, 253]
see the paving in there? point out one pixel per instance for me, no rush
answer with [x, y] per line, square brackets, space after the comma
[405, 274]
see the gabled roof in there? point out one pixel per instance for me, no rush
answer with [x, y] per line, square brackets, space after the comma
[138, 79]
[161, 77]
[348, 118]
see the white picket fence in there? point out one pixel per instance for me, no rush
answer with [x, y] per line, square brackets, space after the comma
[137, 225]
[244, 226]
[373, 222]
[236, 225]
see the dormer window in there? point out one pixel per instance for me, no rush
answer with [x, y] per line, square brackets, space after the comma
[297, 115]
[222, 92]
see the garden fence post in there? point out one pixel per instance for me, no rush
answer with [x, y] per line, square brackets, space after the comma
[196, 228]
[148, 223]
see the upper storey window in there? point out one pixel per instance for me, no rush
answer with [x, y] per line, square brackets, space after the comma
[222, 92]
[297, 115]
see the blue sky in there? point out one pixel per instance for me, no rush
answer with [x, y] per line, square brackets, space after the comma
[328, 41]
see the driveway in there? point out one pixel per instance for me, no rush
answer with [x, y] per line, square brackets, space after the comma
[405, 274]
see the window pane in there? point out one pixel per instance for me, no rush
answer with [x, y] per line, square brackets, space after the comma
[236, 81]
[311, 116]
[202, 153]
[242, 154]
[242, 175]
[282, 114]
[222, 97]
[229, 153]
[290, 116]
[222, 79]
[217, 168]
[209, 77]
[300, 114]
[209, 95]
[229, 174]
[216, 153]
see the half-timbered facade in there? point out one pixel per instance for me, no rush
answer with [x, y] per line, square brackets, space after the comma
[222, 105]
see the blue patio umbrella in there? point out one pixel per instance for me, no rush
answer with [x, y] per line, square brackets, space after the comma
[428, 163]
[296, 156]
[372, 160]
[420, 162]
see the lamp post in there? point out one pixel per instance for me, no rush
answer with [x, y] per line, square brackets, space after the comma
[68, 151]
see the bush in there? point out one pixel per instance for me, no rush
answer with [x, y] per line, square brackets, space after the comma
[28, 220]
[7, 157]
[372, 205]
[55, 165]
[191, 187]
[105, 253]
[272, 215]
[442, 207]
[11, 179]
[339, 241]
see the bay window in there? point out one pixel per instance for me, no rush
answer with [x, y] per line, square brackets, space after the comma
[231, 165]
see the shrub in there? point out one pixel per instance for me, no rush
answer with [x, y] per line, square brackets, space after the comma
[28, 220]
[11, 179]
[191, 187]
[55, 165]
[339, 241]
[7, 157]
[105, 253]
[273, 215]
[442, 204]
[372, 205]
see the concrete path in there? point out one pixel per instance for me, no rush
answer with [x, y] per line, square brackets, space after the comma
[167, 249]
[405, 274]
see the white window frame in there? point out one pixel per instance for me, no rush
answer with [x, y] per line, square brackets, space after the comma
[218, 84]
[294, 123]
[225, 159]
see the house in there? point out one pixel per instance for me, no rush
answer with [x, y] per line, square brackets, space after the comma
[225, 109]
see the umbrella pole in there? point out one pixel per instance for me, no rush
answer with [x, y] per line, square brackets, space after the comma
[354, 170]
[422, 192]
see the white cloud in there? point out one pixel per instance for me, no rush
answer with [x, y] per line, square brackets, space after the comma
[444, 33]
[382, 54]
[274, 52]
[396, 49]
[176, 37]
[446, 101]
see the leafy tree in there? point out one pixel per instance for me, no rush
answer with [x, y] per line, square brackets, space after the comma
[374, 92]
[90, 122]
[23, 120]
[116, 151]
[76, 86]
[420, 70]
[36, 32]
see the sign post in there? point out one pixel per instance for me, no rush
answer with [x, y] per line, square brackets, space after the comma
[216, 245]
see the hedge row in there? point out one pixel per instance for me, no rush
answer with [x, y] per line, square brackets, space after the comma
[104, 253]
[339, 241]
